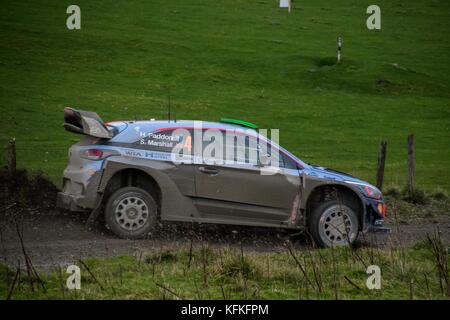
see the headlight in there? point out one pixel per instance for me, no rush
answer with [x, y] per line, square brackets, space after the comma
[371, 192]
[368, 190]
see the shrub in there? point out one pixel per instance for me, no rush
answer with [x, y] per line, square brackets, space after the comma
[235, 265]
[163, 256]
[440, 195]
[418, 196]
[393, 191]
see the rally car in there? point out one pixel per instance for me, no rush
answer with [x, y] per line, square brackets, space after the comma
[139, 172]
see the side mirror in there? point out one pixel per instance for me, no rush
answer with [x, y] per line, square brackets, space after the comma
[264, 160]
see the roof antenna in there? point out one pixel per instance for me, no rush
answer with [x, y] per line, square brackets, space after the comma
[174, 116]
[168, 98]
[135, 101]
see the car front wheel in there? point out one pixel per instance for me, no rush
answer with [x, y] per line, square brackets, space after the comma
[333, 224]
[131, 213]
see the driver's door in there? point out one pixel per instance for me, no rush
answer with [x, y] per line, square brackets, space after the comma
[239, 190]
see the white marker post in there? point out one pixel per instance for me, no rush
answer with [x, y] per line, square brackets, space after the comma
[339, 47]
[286, 4]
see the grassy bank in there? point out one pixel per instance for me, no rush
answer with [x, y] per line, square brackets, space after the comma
[237, 59]
[229, 273]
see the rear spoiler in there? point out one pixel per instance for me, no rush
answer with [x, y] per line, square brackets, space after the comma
[85, 122]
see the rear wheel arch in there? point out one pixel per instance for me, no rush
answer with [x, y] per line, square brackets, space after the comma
[132, 177]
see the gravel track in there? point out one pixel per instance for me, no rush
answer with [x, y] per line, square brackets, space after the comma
[57, 238]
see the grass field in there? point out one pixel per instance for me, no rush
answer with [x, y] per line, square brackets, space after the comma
[238, 59]
[208, 273]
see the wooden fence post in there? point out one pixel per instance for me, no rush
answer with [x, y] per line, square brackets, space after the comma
[380, 166]
[411, 165]
[12, 156]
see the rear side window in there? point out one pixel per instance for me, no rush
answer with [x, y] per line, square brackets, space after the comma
[164, 140]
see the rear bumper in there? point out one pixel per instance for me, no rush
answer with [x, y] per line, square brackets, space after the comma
[68, 202]
[79, 196]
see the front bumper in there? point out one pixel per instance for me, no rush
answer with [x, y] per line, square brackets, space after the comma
[374, 219]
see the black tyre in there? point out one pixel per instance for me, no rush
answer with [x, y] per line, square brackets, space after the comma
[131, 213]
[333, 224]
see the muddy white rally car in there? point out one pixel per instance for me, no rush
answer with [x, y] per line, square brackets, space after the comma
[129, 171]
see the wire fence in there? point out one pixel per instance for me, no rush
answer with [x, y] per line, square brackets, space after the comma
[43, 157]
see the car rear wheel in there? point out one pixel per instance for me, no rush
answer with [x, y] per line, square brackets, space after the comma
[131, 213]
[333, 224]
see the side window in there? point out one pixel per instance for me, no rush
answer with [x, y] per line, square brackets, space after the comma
[213, 150]
[241, 148]
[247, 149]
[286, 162]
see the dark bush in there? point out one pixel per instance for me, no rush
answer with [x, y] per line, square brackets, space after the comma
[25, 190]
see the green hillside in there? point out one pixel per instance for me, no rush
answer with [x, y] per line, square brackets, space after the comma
[237, 59]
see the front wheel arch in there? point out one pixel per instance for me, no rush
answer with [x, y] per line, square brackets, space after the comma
[338, 192]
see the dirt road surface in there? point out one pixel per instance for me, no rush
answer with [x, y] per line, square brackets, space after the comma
[57, 238]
